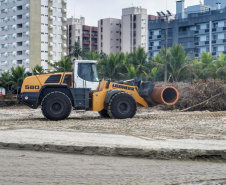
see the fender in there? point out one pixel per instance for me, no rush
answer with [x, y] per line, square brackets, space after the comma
[33, 99]
[109, 95]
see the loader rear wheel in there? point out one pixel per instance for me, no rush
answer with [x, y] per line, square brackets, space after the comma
[56, 106]
[122, 106]
[104, 113]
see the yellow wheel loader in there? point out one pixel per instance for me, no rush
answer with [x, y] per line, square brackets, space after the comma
[58, 93]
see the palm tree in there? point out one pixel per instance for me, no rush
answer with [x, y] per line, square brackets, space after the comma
[218, 67]
[64, 65]
[75, 50]
[138, 59]
[38, 69]
[17, 75]
[201, 67]
[178, 64]
[111, 66]
[92, 56]
[156, 65]
[5, 80]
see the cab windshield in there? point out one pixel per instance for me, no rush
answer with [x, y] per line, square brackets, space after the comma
[88, 72]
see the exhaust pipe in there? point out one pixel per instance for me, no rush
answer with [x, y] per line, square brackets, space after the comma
[165, 95]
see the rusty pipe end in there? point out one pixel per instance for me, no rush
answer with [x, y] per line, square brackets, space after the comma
[165, 95]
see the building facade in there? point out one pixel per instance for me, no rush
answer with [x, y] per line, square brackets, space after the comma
[87, 36]
[109, 36]
[32, 32]
[74, 31]
[200, 31]
[134, 29]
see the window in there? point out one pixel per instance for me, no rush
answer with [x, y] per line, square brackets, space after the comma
[88, 71]
[19, 25]
[19, 16]
[19, 43]
[67, 80]
[215, 24]
[10, 45]
[2, 2]
[19, 52]
[19, 34]
[19, 62]
[19, 7]
[215, 37]
[196, 39]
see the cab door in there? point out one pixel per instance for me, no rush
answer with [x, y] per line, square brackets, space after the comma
[86, 75]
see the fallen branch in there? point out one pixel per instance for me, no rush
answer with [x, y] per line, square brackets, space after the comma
[201, 102]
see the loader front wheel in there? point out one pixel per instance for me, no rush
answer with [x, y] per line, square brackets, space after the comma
[56, 106]
[122, 106]
[104, 113]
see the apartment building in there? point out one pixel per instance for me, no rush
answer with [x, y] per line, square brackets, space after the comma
[134, 29]
[32, 32]
[197, 29]
[109, 35]
[87, 36]
[74, 30]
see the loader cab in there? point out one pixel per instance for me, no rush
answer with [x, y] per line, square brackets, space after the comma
[85, 74]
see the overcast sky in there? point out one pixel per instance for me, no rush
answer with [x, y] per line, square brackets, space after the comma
[93, 10]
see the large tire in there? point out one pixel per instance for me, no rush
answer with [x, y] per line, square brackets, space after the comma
[104, 113]
[56, 106]
[122, 106]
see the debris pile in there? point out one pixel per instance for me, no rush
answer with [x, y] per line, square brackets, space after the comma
[199, 96]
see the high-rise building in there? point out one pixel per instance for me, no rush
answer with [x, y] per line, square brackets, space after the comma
[74, 30]
[87, 36]
[32, 32]
[200, 30]
[109, 35]
[134, 29]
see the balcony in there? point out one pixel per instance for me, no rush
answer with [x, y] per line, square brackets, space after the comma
[87, 28]
[94, 29]
[94, 36]
[86, 42]
[94, 43]
[86, 35]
